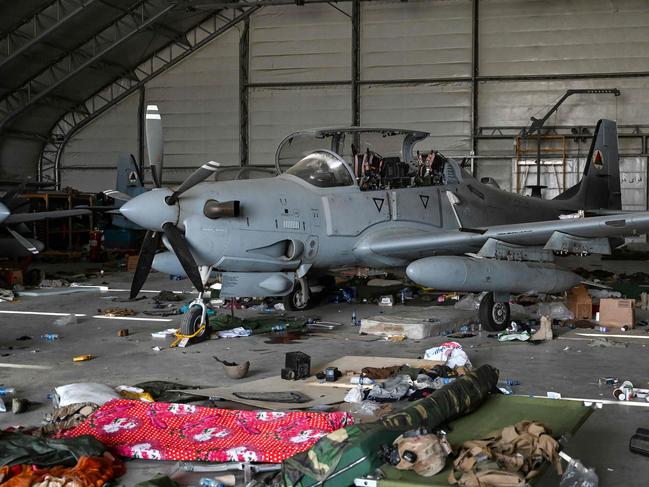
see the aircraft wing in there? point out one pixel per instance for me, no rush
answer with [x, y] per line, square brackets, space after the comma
[42, 215]
[395, 243]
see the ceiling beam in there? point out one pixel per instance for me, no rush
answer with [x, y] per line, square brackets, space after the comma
[38, 26]
[145, 16]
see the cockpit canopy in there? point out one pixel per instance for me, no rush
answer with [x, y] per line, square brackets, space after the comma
[346, 142]
[323, 169]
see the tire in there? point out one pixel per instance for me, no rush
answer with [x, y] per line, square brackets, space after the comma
[191, 322]
[293, 303]
[494, 316]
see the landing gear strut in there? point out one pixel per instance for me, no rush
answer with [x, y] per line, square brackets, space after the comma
[196, 316]
[299, 298]
[494, 315]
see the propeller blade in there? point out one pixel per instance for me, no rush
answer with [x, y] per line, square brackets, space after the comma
[44, 215]
[154, 143]
[145, 260]
[198, 176]
[23, 241]
[181, 249]
[116, 195]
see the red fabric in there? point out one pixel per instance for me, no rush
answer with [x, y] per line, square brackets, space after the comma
[163, 431]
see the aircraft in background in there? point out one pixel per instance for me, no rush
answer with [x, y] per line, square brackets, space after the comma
[361, 199]
[13, 222]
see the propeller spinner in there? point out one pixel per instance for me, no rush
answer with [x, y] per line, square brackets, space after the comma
[156, 210]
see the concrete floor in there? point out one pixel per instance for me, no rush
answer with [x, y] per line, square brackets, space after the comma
[601, 443]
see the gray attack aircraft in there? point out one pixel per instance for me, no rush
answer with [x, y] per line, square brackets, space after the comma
[356, 198]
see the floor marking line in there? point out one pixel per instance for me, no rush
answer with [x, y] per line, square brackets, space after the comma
[24, 366]
[130, 318]
[39, 313]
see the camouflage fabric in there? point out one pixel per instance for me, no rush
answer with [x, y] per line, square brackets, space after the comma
[258, 325]
[350, 452]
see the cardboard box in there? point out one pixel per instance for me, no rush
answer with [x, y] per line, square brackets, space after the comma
[580, 303]
[617, 313]
[131, 262]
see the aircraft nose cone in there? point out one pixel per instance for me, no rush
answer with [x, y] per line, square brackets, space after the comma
[149, 210]
[4, 212]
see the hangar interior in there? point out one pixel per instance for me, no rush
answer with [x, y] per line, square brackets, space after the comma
[509, 91]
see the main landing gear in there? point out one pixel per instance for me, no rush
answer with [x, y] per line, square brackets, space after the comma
[494, 313]
[299, 299]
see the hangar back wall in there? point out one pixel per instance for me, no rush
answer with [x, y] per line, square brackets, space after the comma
[466, 71]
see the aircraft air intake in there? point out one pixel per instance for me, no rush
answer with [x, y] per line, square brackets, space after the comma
[221, 209]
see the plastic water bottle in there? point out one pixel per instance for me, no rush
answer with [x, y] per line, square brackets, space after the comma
[208, 482]
[354, 317]
[50, 337]
[280, 327]
[366, 381]
[603, 329]
[513, 382]
[576, 474]
[7, 391]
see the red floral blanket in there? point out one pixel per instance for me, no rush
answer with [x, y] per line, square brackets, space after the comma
[166, 431]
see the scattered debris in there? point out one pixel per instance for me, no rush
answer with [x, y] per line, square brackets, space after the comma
[604, 343]
[164, 333]
[117, 312]
[82, 358]
[66, 320]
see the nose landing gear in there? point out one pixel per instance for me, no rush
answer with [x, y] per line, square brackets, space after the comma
[194, 326]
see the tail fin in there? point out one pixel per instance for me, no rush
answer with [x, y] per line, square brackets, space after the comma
[128, 175]
[599, 187]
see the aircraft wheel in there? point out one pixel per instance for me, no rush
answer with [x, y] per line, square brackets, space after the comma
[494, 316]
[294, 301]
[190, 324]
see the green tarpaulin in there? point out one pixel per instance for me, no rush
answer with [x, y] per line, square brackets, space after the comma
[562, 417]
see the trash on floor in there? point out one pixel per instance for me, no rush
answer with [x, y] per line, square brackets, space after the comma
[234, 370]
[235, 332]
[82, 358]
[66, 320]
[449, 353]
[117, 312]
[83, 392]
[164, 333]
[576, 474]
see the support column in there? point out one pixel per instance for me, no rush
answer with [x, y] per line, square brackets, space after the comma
[141, 111]
[356, 62]
[475, 72]
[244, 70]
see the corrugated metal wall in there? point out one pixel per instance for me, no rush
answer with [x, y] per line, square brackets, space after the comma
[199, 102]
[90, 157]
[415, 71]
[289, 45]
[415, 40]
[574, 36]
[310, 43]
